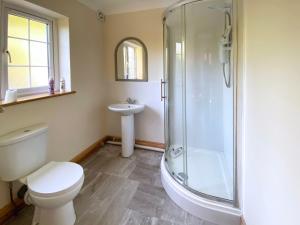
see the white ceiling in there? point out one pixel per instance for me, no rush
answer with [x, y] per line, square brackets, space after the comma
[121, 6]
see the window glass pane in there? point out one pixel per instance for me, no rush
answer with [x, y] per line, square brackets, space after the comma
[17, 26]
[131, 63]
[19, 51]
[38, 31]
[38, 54]
[39, 76]
[18, 77]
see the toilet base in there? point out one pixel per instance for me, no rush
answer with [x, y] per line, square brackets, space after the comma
[64, 215]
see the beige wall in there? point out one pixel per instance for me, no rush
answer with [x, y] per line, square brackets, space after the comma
[75, 121]
[272, 112]
[147, 26]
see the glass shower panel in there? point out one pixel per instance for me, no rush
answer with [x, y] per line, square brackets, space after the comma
[174, 89]
[209, 101]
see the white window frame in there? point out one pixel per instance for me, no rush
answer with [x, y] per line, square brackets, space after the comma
[12, 9]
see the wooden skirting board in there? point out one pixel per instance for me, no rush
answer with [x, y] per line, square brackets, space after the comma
[90, 150]
[8, 211]
[139, 142]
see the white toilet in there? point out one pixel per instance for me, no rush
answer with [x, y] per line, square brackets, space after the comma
[51, 186]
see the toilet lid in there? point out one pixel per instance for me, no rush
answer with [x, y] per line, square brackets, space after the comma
[55, 178]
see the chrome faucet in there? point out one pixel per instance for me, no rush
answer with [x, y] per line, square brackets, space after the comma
[130, 101]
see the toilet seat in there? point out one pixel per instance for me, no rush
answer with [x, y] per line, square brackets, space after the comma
[55, 178]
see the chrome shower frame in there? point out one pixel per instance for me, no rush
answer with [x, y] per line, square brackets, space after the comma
[234, 69]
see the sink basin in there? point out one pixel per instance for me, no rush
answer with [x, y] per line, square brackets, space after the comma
[126, 109]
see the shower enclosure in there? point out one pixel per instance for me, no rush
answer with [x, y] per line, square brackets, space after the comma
[199, 91]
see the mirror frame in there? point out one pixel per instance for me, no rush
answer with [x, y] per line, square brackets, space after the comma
[146, 60]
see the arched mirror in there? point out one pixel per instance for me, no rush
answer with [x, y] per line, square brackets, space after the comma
[131, 60]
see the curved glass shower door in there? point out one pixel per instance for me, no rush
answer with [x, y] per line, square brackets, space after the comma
[200, 98]
[174, 89]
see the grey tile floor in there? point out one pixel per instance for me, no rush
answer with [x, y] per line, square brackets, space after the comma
[122, 191]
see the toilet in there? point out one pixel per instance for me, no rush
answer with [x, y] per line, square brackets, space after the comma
[52, 186]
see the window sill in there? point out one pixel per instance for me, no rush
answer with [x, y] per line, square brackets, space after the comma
[37, 97]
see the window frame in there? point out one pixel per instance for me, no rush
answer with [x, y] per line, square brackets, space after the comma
[29, 14]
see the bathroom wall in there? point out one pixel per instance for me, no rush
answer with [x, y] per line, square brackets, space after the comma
[272, 112]
[75, 121]
[148, 27]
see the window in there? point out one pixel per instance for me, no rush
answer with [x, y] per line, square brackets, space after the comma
[28, 64]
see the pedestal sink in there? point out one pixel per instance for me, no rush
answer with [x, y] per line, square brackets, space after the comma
[127, 112]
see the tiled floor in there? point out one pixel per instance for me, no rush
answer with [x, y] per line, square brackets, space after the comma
[122, 191]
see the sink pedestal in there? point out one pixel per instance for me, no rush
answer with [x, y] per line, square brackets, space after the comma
[128, 138]
[127, 112]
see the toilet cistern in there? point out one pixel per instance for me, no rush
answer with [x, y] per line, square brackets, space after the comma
[127, 112]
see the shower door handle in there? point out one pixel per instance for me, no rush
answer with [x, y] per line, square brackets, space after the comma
[162, 89]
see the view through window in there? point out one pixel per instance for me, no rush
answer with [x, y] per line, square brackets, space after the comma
[29, 52]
